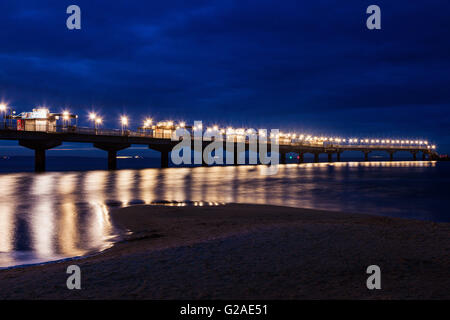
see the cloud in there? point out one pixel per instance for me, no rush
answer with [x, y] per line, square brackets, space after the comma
[255, 62]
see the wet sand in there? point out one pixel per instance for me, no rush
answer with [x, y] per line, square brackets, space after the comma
[251, 252]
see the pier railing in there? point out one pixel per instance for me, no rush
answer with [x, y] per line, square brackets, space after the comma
[151, 133]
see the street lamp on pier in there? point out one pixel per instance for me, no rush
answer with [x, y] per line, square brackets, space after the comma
[98, 122]
[124, 122]
[66, 118]
[92, 117]
[3, 108]
[148, 123]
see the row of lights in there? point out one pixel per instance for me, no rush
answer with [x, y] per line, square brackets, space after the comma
[241, 131]
[355, 140]
[123, 120]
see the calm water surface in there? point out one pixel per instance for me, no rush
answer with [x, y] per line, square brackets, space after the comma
[57, 215]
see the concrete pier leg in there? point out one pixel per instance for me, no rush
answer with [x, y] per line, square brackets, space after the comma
[391, 156]
[366, 156]
[282, 158]
[414, 154]
[112, 160]
[330, 157]
[39, 160]
[301, 158]
[39, 147]
[424, 156]
[316, 157]
[112, 149]
[235, 155]
[164, 159]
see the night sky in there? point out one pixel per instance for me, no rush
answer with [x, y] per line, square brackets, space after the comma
[309, 66]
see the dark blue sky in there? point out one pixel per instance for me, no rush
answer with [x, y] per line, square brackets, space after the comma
[310, 66]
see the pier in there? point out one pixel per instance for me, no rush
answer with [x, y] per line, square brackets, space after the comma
[113, 141]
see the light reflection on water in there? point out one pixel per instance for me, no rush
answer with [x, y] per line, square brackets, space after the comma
[64, 214]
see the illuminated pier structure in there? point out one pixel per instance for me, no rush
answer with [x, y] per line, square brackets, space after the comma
[41, 130]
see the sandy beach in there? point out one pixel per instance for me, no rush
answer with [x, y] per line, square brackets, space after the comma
[239, 251]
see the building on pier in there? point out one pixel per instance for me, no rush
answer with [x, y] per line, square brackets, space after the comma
[41, 119]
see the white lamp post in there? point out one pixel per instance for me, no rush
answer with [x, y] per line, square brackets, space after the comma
[124, 122]
[3, 108]
[98, 122]
[92, 117]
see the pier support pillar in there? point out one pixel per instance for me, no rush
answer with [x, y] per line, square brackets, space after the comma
[433, 156]
[164, 150]
[424, 156]
[338, 156]
[164, 158]
[301, 158]
[235, 155]
[330, 156]
[414, 154]
[112, 160]
[316, 157]
[112, 149]
[391, 156]
[282, 157]
[39, 160]
[366, 155]
[39, 147]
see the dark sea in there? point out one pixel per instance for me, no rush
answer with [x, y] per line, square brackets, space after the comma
[65, 212]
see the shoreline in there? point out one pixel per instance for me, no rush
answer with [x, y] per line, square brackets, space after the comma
[295, 242]
[123, 237]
